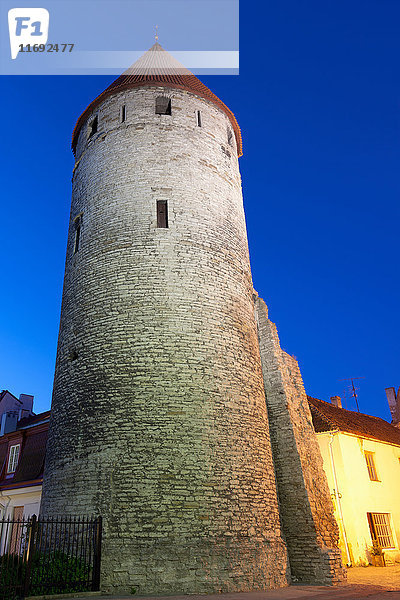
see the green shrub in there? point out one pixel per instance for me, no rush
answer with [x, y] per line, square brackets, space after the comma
[12, 576]
[50, 574]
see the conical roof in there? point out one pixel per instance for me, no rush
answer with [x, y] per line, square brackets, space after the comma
[158, 67]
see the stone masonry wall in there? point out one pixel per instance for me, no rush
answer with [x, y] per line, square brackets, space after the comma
[309, 526]
[159, 420]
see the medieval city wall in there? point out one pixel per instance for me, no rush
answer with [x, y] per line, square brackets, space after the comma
[309, 526]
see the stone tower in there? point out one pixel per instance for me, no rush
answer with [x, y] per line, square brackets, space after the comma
[159, 420]
[169, 375]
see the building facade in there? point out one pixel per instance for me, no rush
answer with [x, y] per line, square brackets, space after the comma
[23, 438]
[361, 457]
[159, 414]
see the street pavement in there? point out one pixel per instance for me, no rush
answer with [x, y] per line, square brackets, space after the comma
[341, 592]
[372, 583]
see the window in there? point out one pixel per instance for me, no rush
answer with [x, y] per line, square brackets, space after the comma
[230, 136]
[380, 528]
[162, 214]
[198, 114]
[163, 105]
[13, 458]
[72, 355]
[226, 151]
[77, 223]
[122, 113]
[93, 126]
[77, 237]
[372, 472]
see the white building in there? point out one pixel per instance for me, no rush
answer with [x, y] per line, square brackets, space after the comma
[23, 437]
[361, 457]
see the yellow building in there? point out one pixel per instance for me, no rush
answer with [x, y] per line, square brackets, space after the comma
[361, 457]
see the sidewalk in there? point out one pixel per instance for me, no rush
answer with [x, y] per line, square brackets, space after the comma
[341, 592]
[372, 583]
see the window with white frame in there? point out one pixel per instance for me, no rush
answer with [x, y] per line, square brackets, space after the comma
[13, 458]
[370, 460]
[381, 529]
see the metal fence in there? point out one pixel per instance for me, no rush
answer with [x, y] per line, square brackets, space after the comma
[49, 556]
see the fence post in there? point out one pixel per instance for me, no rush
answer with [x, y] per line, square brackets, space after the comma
[97, 554]
[30, 548]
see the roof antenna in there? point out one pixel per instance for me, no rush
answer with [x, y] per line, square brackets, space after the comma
[156, 36]
[353, 390]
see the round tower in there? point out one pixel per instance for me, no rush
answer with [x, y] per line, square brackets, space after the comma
[159, 420]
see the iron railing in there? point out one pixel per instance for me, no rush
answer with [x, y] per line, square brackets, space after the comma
[49, 556]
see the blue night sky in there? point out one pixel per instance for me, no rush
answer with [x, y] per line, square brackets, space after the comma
[318, 101]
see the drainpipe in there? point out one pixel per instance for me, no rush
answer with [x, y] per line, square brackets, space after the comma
[4, 530]
[337, 496]
[5, 507]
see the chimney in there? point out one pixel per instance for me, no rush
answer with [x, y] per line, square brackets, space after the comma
[394, 405]
[27, 402]
[336, 401]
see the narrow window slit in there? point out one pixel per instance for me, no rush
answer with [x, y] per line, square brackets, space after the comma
[198, 118]
[93, 126]
[77, 223]
[162, 214]
[230, 136]
[122, 115]
[77, 237]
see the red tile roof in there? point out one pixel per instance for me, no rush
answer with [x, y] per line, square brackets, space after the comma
[158, 67]
[31, 463]
[33, 419]
[328, 417]
[31, 433]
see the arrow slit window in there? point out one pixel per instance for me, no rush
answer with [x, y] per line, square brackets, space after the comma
[93, 126]
[77, 224]
[162, 214]
[230, 136]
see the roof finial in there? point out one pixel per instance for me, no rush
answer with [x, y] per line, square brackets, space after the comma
[156, 36]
